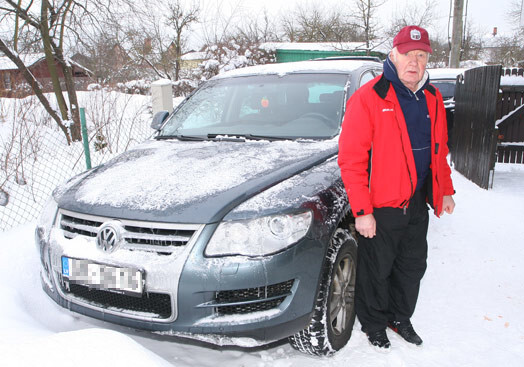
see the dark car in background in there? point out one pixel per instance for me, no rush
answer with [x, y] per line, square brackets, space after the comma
[445, 80]
[230, 226]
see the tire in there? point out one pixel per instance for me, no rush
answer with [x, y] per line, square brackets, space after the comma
[334, 315]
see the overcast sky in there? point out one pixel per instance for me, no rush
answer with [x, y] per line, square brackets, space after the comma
[484, 14]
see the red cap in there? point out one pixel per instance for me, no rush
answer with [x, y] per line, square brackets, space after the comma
[410, 38]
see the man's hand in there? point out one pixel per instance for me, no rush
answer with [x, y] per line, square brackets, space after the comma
[366, 225]
[448, 204]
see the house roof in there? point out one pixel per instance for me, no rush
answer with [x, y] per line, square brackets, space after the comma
[194, 55]
[28, 60]
[31, 59]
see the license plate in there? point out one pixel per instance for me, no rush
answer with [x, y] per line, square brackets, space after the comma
[104, 277]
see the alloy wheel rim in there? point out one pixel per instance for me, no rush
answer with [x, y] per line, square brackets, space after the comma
[342, 295]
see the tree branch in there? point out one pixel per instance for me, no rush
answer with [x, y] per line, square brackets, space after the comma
[29, 77]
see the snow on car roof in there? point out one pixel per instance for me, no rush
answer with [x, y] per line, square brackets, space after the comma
[342, 66]
[445, 73]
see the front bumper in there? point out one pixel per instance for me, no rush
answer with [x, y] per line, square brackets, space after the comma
[187, 294]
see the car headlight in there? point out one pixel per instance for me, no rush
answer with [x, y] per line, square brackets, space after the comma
[47, 217]
[260, 236]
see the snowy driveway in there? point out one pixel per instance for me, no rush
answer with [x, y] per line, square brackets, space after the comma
[469, 311]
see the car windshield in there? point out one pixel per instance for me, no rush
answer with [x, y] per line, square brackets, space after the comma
[274, 106]
[447, 88]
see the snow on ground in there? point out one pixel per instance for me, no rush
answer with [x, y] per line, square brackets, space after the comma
[469, 311]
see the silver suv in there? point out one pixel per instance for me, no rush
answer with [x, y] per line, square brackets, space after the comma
[231, 225]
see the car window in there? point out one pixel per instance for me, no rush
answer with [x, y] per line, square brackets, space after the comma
[295, 105]
[366, 77]
[207, 110]
[447, 88]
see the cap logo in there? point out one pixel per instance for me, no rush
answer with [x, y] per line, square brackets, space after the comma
[415, 35]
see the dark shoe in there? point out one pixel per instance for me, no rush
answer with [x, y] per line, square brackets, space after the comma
[379, 339]
[406, 331]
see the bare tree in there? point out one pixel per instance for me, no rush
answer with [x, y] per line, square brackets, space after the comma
[54, 22]
[102, 53]
[472, 46]
[365, 18]
[414, 13]
[152, 37]
[218, 20]
[508, 52]
[514, 13]
[256, 30]
[180, 19]
[316, 24]
[35, 85]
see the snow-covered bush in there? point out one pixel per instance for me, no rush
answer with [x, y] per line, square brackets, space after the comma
[183, 87]
[231, 55]
[140, 86]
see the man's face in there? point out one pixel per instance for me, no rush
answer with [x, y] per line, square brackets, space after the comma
[410, 67]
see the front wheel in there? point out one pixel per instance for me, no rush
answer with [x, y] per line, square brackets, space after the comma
[334, 316]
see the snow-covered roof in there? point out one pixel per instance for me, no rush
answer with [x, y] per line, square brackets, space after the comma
[31, 59]
[445, 73]
[512, 80]
[194, 56]
[28, 60]
[343, 66]
[323, 46]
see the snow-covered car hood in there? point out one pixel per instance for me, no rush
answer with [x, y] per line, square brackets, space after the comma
[188, 182]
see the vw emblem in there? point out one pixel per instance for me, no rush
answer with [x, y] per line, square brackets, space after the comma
[109, 236]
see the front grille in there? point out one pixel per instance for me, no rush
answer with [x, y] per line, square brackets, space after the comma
[241, 301]
[160, 237]
[248, 308]
[157, 304]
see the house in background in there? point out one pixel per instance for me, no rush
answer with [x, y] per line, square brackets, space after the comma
[192, 59]
[13, 83]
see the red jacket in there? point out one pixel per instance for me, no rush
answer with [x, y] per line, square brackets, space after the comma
[375, 156]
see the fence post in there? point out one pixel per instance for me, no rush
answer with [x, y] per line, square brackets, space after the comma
[85, 138]
[162, 95]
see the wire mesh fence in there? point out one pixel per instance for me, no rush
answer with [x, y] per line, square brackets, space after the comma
[34, 154]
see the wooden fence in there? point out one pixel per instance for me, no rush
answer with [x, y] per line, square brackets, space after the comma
[510, 117]
[474, 134]
[513, 71]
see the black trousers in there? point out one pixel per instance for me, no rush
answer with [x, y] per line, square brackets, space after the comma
[391, 265]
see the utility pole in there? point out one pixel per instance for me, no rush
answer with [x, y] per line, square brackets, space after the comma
[521, 23]
[456, 39]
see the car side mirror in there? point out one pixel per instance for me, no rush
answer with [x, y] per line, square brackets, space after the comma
[159, 119]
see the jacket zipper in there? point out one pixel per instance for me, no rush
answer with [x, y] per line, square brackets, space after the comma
[434, 169]
[370, 167]
[406, 202]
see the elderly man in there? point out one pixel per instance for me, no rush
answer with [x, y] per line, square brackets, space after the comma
[392, 156]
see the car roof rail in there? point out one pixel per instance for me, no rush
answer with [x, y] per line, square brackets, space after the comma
[364, 58]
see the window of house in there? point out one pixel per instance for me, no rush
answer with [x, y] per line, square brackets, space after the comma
[7, 81]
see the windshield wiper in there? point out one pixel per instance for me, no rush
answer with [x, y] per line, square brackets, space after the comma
[182, 137]
[222, 137]
[264, 137]
[243, 137]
